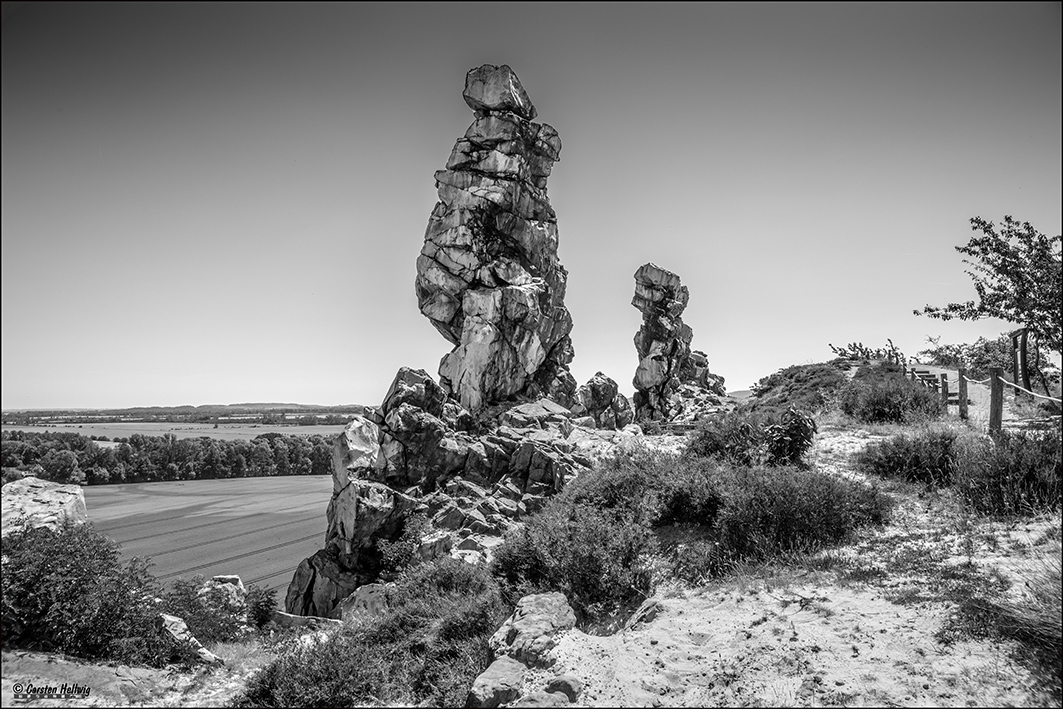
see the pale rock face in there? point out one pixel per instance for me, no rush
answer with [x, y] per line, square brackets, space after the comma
[33, 502]
[488, 277]
[529, 634]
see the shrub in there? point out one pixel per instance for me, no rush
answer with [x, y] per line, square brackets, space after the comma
[746, 438]
[886, 397]
[1011, 473]
[211, 616]
[425, 649]
[261, 603]
[596, 558]
[397, 555]
[928, 457]
[65, 590]
[592, 542]
[805, 386]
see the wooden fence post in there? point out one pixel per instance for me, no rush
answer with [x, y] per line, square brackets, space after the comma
[963, 394]
[913, 375]
[996, 399]
[945, 391]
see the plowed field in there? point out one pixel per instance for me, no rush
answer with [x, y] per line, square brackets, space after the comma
[257, 528]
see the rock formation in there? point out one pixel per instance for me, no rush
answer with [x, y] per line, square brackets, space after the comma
[409, 457]
[32, 502]
[663, 341]
[671, 382]
[488, 277]
[601, 400]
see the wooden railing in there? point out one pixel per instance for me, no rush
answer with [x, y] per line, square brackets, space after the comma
[940, 382]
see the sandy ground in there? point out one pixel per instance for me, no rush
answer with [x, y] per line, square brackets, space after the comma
[874, 628]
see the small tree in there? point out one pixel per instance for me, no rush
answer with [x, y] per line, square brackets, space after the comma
[1017, 275]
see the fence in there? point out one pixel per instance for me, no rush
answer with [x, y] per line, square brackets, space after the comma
[996, 382]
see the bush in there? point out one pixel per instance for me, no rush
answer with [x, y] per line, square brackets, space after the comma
[596, 558]
[810, 387]
[1011, 473]
[425, 649]
[884, 396]
[928, 457]
[64, 590]
[397, 555]
[593, 541]
[261, 603]
[767, 512]
[211, 616]
[746, 438]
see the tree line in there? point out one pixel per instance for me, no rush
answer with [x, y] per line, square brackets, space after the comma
[65, 457]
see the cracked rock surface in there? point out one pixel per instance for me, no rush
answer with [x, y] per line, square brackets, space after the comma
[488, 277]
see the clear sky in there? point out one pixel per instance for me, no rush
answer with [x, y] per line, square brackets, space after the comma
[211, 203]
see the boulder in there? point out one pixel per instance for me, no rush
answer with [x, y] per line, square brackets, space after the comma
[319, 584]
[497, 88]
[32, 502]
[488, 276]
[178, 630]
[366, 601]
[530, 633]
[498, 684]
[569, 685]
[288, 620]
[600, 400]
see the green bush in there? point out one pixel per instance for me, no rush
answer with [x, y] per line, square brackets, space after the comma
[884, 396]
[66, 591]
[927, 457]
[425, 649]
[1010, 473]
[747, 438]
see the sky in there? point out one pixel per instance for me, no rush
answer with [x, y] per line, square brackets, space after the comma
[209, 203]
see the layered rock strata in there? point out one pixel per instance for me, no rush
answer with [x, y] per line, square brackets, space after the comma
[416, 455]
[488, 277]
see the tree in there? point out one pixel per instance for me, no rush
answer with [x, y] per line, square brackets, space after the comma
[1018, 275]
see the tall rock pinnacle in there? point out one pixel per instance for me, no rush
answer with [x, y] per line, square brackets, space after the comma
[488, 277]
[663, 341]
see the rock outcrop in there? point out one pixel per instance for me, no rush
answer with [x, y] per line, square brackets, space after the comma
[530, 633]
[488, 277]
[32, 502]
[670, 379]
[600, 399]
[662, 343]
[407, 458]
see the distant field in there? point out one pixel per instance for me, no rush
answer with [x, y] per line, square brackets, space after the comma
[224, 431]
[258, 528]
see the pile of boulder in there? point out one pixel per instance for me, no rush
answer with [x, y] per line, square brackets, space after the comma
[522, 643]
[418, 454]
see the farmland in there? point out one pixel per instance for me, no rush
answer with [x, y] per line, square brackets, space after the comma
[257, 528]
